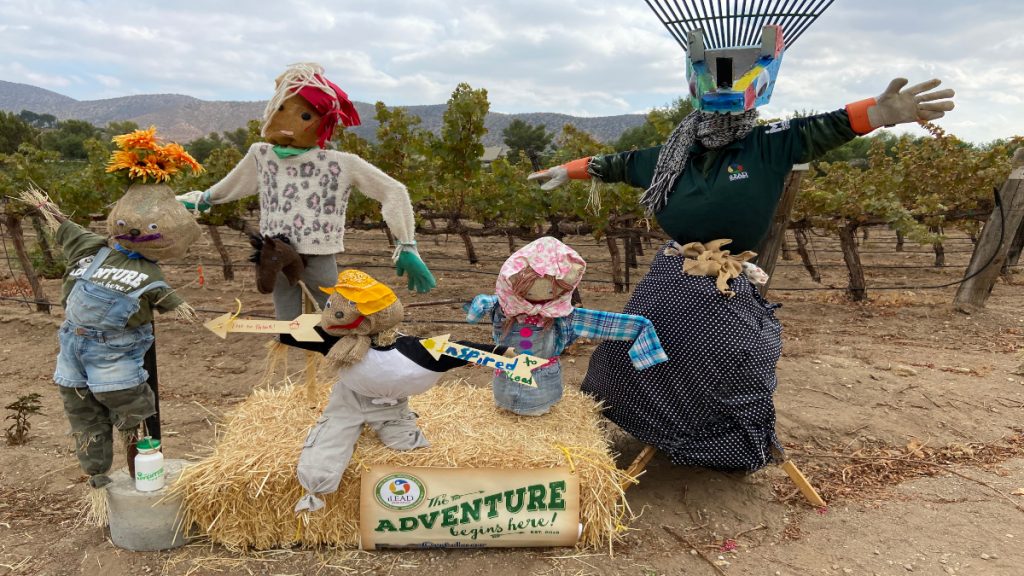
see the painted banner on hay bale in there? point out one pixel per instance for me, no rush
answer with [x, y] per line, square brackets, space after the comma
[410, 507]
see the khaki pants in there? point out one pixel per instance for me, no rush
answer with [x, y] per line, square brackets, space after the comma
[331, 441]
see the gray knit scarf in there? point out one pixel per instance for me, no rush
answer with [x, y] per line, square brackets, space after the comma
[713, 130]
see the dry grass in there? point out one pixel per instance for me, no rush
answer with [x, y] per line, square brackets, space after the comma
[872, 471]
[242, 495]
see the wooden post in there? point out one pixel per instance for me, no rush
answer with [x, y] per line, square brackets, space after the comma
[1013, 254]
[149, 363]
[613, 251]
[801, 247]
[771, 245]
[989, 254]
[225, 258]
[470, 249]
[848, 244]
[13, 222]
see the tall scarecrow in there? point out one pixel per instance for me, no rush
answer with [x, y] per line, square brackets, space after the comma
[713, 186]
[304, 188]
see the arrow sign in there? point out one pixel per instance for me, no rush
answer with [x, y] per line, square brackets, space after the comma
[518, 369]
[302, 328]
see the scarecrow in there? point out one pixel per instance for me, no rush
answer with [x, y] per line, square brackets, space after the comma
[112, 286]
[304, 188]
[713, 186]
[532, 310]
[378, 369]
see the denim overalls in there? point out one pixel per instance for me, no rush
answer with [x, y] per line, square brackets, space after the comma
[529, 338]
[96, 351]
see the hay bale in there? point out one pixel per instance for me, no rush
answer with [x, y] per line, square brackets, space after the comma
[242, 495]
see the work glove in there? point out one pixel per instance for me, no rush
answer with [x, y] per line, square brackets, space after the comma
[898, 106]
[195, 201]
[556, 176]
[420, 278]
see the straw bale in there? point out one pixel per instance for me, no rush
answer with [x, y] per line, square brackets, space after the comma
[242, 495]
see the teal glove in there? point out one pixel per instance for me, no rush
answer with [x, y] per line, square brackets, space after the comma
[420, 278]
[194, 200]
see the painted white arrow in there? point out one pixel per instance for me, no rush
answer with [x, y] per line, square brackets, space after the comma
[302, 328]
[518, 369]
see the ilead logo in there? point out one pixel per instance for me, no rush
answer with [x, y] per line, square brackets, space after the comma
[399, 491]
[736, 172]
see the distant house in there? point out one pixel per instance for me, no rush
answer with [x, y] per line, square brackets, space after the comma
[492, 153]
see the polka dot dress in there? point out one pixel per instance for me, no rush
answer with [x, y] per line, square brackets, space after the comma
[710, 405]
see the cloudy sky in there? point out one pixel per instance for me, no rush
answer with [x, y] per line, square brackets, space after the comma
[581, 57]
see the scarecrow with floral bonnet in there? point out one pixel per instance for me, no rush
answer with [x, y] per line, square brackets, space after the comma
[532, 311]
[111, 288]
[304, 188]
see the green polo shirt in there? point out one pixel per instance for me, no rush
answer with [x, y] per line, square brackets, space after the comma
[732, 192]
[118, 272]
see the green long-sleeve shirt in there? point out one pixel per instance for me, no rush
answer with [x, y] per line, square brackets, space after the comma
[731, 192]
[118, 272]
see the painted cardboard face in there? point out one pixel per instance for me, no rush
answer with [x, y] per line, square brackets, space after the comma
[294, 124]
[341, 317]
[733, 80]
[545, 288]
[148, 220]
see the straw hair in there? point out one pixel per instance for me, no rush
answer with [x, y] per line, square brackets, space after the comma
[97, 509]
[37, 197]
[297, 76]
[242, 495]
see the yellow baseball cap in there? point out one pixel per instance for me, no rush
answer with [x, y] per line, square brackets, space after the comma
[369, 295]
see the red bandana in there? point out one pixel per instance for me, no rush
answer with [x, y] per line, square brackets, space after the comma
[332, 109]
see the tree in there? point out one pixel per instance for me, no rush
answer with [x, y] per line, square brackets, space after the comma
[69, 139]
[528, 139]
[41, 121]
[15, 131]
[656, 129]
[200, 148]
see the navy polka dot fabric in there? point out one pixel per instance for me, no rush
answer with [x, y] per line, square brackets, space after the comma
[710, 405]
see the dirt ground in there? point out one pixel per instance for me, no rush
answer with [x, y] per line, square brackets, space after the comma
[904, 413]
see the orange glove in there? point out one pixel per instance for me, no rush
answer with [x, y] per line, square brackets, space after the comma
[554, 177]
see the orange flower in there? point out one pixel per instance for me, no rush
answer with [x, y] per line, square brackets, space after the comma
[143, 157]
[144, 139]
[177, 156]
[122, 160]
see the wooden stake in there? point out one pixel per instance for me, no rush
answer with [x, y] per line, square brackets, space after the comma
[639, 463]
[801, 482]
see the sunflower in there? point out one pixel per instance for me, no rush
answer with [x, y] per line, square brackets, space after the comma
[123, 160]
[143, 157]
[177, 156]
[143, 139]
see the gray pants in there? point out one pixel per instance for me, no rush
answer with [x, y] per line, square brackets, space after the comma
[320, 271]
[94, 415]
[330, 442]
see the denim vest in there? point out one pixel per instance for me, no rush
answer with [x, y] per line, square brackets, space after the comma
[99, 308]
[528, 338]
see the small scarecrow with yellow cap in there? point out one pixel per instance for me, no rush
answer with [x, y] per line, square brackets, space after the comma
[378, 369]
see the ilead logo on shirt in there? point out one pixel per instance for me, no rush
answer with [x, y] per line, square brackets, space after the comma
[399, 492]
[736, 172]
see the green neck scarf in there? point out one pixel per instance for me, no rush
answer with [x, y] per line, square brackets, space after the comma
[288, 151]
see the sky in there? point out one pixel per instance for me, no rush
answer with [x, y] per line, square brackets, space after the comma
[579, 57]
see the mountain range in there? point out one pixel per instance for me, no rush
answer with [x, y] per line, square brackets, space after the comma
[184, 118]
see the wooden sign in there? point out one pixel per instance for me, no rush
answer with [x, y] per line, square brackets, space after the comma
[519, 369]
[410, 507]
[302, 328]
